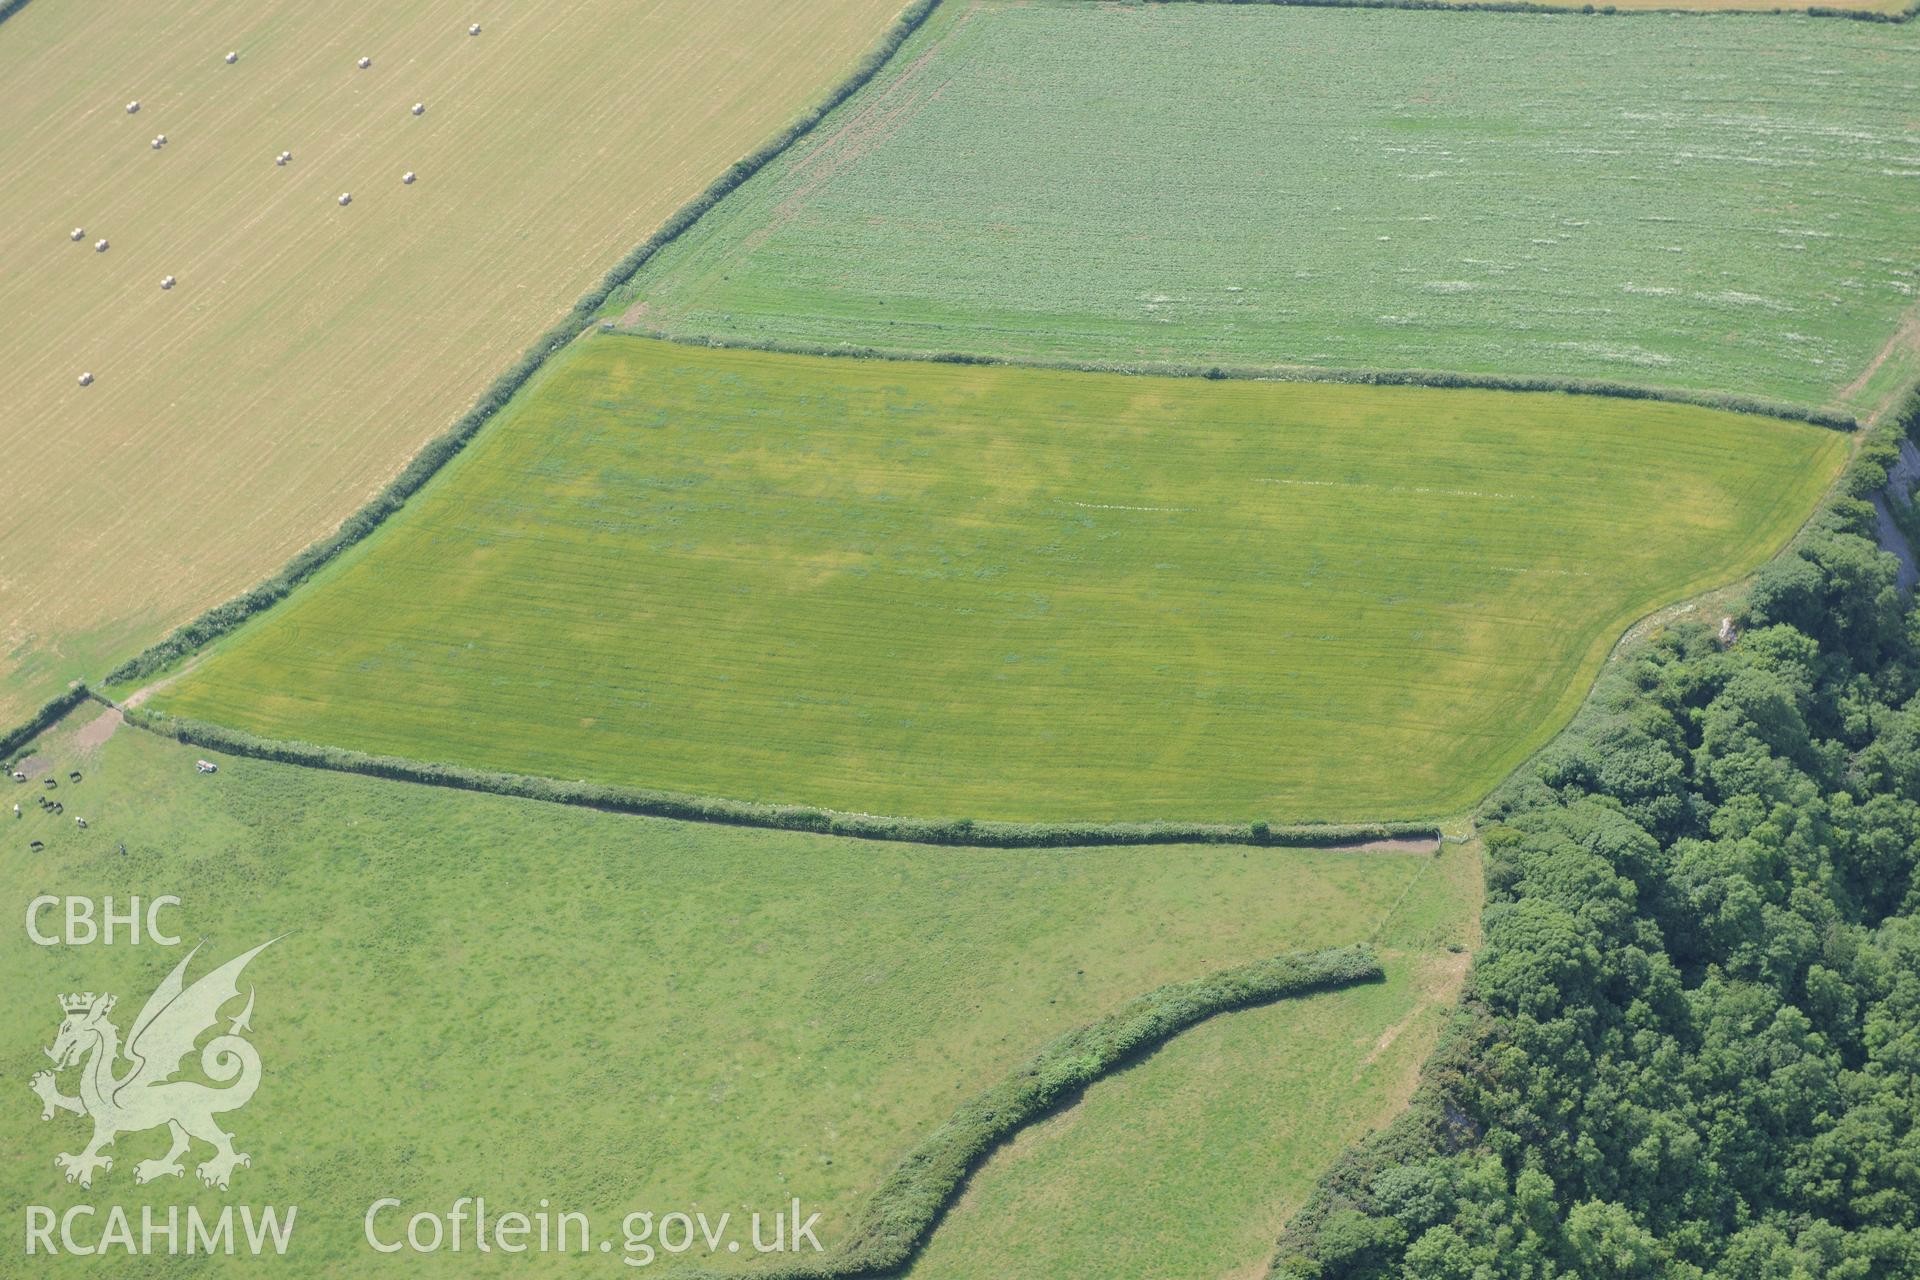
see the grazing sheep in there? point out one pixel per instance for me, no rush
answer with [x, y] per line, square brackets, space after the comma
[232, 58]
[86, 379]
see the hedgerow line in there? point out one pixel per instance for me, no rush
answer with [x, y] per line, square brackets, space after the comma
[906, 1208]
[1438, 379]
[647, 802]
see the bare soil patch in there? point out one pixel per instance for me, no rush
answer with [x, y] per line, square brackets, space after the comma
[95, 733]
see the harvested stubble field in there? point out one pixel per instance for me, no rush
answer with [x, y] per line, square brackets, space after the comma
[308, 349]
[478, 994]
[997, 592]
[1710, 203]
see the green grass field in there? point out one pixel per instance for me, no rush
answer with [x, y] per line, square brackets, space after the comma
[479, 995]
[1694, 202]
[1187, 1166]
[1010, 593]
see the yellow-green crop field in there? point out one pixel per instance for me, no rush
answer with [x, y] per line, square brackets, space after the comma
[308, 349]
[995, 592]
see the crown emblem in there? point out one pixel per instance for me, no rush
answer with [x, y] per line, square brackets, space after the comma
[78, 1002]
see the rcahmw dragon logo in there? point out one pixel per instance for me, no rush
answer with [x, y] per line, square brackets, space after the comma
[146, 1095]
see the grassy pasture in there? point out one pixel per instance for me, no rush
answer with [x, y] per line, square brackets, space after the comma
[1703, 203]
[490, 996]
[1187, 1165]
[998, 592]
[309, 349]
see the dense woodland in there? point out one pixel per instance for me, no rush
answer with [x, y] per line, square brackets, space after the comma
[1691, 1046]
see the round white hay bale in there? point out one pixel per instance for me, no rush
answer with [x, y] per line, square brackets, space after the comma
[365, 63]
[166, 282]
[158, 143]
[232, 57]
[78, 233]
[133, 106]
[161, 139]
[346, 198]
[282, 158]
[419, 108]
[86, 379]
[474, 30]
[100, 246]
[407, 177]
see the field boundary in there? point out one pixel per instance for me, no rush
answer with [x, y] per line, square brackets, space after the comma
[646, 802]
[1567, 10]
[1436, 379]
[909, 1205]
[1864, 474]
[51, 713]
[10, 7]
[437, 452]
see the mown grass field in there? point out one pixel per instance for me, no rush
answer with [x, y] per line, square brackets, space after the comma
[955, 591]
[1187, 1165]
[486, 996]
[1694, 202]
[308, 350]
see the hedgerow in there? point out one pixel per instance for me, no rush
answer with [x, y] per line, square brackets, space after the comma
[223, 618]
[1442, 379]
[42, 720]
[903, 1211]
[690, 808]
